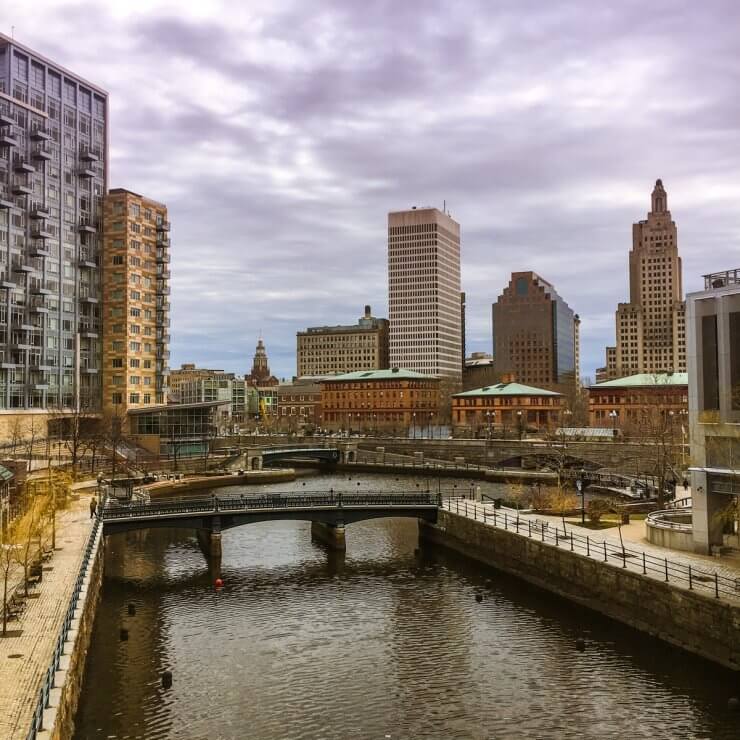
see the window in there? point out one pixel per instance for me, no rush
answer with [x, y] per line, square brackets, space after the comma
[117, 362]
[710, 364]
[117, 259]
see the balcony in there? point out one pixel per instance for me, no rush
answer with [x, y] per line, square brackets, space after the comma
[163, 275]
[40, 290]
[163, 289]
[163, 256]
[38, 305]
[163, 226]
[89, 264]
[88, 154]
[163, 354]
[163, 321]
[38, 211]
[41, 153]
[163, 338]
[89, 299]
[21, 187]
[163, 241]
[7, 141]
[39, 250]
[40, 134]
[6, 120]
[7, 284]
[87, 226]
[39, 231]
[5, 202]
[22, 166]
[89, 334]
[22, 267]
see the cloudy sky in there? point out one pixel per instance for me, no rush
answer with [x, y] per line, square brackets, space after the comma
[280, 133]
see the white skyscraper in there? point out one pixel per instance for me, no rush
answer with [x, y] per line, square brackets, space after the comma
[424, 292]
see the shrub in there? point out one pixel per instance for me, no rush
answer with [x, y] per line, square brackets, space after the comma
[596, 508]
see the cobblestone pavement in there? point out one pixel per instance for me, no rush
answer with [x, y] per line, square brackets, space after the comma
[26, 652]
[633, 540]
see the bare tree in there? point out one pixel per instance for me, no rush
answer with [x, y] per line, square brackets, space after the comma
[76, 430]
[9, 547]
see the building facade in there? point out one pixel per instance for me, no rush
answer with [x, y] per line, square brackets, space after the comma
[424, 297]
[136, 286]
[240, 399]
[186, 373]
[508, 407]
[713, 327]
[651, 328]
[379, 400]
[535, 334]
[628, 403]
[322, 350]
[480, 370]
[53, 177]
[299, 404]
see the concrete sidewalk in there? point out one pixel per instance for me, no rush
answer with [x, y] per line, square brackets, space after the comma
[26, 652]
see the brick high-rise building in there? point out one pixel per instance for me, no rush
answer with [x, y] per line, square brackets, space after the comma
[136, 289]
[323, 350]
[651, 328]
[424, 292]
[535, 334]
[53, 176]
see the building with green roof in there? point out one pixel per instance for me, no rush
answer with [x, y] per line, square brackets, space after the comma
[626, 402]
[371, 400]
[508, 407]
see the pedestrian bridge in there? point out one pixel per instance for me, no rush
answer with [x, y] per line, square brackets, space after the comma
[328, 512]
[254, 458]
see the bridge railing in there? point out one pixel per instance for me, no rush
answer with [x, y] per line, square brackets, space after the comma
[669, 571]
[165, 507]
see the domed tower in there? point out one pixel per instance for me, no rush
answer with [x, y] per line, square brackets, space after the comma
[260, 373]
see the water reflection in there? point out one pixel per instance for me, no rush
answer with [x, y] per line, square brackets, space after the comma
[385, 640]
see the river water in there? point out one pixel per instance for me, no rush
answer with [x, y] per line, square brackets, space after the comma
[387, 641]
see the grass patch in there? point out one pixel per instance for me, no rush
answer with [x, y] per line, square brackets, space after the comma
[603, 524]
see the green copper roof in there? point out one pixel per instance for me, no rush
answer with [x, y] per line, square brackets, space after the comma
[646, 380]
[5, 474]
[507, 389]
[392, 374]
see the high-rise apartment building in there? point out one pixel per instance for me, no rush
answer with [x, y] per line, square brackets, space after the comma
[53, 177]
[651, 328]
[535, 334]
[136, 285]
[323, 350]
[424, 292]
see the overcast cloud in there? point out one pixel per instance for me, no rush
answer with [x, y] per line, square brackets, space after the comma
[280, 134]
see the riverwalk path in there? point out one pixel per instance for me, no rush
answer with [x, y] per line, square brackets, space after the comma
[684, 570]
[25, 654]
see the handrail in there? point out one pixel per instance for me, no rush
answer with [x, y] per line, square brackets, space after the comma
[48, 682]
[663, 569]
[662, 519]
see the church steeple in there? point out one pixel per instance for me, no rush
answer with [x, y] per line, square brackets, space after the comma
[260, 373]
[659, 198]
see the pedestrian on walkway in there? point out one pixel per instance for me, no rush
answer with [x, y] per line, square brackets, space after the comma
[93, 506]
[685, 486]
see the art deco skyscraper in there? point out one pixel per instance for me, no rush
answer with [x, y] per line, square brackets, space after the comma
[136, 287]
[53, 176]
[424, 306]
[651, 330]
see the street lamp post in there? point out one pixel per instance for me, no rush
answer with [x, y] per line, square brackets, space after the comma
[613, 416]
[581, 486]
[413, 424]
[488, 417]
[519, 423]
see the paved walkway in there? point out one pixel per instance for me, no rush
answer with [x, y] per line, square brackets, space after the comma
[633, 540]
[26, 653]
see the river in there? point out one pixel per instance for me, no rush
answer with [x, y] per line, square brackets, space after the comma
[387, 641]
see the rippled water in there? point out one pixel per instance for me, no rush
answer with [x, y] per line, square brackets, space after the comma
[385, 642]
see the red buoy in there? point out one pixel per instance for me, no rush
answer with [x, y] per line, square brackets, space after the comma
[219, 583]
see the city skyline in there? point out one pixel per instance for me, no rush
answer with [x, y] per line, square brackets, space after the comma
[312, 131]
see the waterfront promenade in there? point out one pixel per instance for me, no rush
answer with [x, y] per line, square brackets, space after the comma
[25, 654]
[702, 567]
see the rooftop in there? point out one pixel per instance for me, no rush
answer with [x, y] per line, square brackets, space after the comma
[645, 380]
[721, 279]
[391, 374]
[507, 389]
[175, 407]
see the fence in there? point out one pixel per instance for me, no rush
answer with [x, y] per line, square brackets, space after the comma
[48, 683]
[669, 571]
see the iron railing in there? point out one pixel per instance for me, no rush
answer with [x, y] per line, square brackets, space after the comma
[637, 561]
[670, 519]
[172, 506]
[48, 682]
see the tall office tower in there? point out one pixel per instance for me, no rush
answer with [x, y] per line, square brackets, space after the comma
[534, 334]
[424, 292]
[323, 350]
[53, 176]
[651, 328]
[136, 288]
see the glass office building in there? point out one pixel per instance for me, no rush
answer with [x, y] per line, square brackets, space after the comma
[53, 177]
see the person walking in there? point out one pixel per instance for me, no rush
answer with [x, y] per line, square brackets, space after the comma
[93, 506]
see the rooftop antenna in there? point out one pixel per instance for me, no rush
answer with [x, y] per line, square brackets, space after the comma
[444, 207]
[12, 32]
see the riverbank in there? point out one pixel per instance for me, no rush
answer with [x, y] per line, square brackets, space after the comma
[26, 653]
[700, 623]
[207, 482]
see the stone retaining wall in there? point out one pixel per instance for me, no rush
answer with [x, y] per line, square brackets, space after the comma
[59, 719]
[700, 624]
